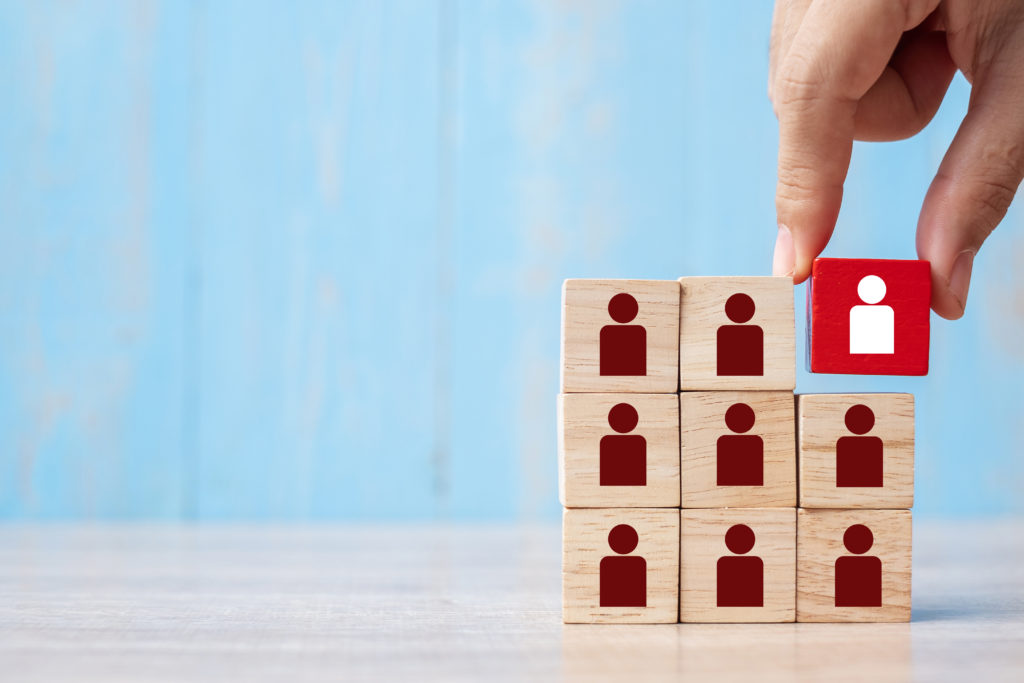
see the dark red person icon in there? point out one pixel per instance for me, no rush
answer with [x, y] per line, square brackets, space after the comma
[623, 579]
[740, 456]
[858, 579]
[859, 458]
[623, 347]
[740, 347]
[623, 459]
[740, 579]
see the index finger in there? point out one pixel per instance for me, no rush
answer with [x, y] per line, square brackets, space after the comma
[838, 53]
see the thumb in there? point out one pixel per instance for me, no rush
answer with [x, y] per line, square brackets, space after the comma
[973, 188]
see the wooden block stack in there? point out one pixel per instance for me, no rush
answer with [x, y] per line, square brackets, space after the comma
[856, 457]
[679, 443]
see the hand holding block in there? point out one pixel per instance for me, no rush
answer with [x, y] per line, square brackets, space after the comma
[738, 565]
[853, 565]
[737, 333]
[737, 449]
[620, 336]
[868, 316]
[618, 450]
[856, 450]
[620, 565]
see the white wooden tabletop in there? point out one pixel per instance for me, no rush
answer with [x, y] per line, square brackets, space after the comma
[242, 603]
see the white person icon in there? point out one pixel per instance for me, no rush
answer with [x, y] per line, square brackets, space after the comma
[872, 324]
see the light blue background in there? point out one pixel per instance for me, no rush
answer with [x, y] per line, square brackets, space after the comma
[263, 261]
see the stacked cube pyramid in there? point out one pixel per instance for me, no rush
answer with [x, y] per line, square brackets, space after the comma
[698, 487]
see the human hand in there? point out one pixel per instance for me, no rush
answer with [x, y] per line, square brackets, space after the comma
[877, 70]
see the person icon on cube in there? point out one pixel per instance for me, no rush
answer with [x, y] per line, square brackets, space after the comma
[623, 349]
[859, 458]
[858, 577]
[740, 456]
[623, 456]
[740, 579]
[740, 347]
[623, 580]
[872, 325]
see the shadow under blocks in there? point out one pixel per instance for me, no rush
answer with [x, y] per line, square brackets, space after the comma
[698, 487]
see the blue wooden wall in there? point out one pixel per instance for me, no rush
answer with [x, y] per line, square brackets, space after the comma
[264, 260]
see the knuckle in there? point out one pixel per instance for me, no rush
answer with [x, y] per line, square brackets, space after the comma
[792, 90]
[988, 197]
[798, 82]
[800, 184]
[998, 173]
[992, 199]
[794, 185]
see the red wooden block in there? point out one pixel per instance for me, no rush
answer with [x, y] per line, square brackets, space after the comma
[868, 316]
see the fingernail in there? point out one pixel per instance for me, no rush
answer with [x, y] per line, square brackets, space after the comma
[784, 259]
[960, 277]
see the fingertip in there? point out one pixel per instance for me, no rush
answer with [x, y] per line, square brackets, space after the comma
[806, 211]
[950, 275]
[788, 261]
[945, 304]
[784, 257]
[796, 247]
[804, 262]
[950, 289]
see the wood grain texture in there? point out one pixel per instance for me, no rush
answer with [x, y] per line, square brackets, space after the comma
[703, 544]
[585, 543]
[583, 422]
[585, 313]
[433, 602]
[820, 544]
[702, 313]
[821, 423]
[702, 421]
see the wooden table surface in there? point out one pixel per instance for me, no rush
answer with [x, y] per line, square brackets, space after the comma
[243, 603]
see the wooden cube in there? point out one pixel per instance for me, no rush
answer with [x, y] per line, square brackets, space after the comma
[738, 565]
[620, 336]
[737, 333]
[620, 565]
[853, 565]
[868, 316]
[856, 450]
[737, 449]
[618, 450]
